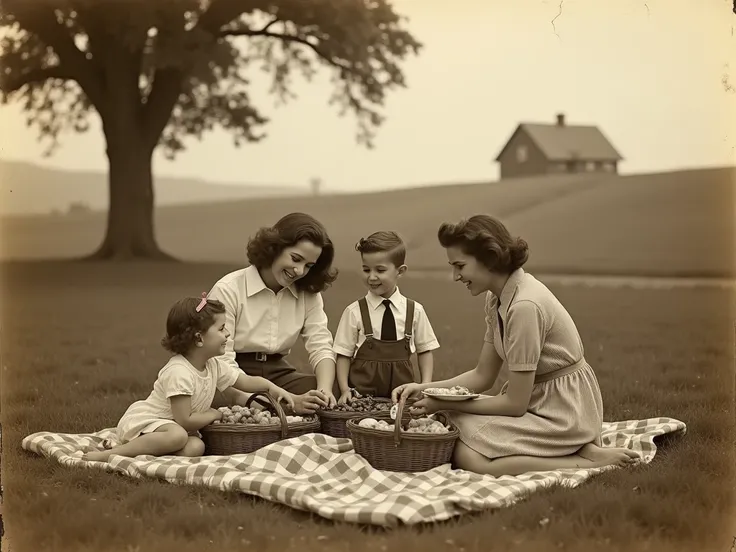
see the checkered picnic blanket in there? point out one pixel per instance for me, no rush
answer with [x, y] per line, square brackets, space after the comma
[324, 475]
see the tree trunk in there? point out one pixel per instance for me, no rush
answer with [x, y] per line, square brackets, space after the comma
[130, 220]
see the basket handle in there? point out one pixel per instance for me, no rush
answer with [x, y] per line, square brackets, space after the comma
[276, 406]
[397, 421]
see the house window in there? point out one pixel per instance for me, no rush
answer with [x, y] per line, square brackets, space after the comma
[522, 154]
[590, 166]
[608, 166]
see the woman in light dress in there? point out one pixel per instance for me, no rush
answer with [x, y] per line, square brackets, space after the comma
[549, 414]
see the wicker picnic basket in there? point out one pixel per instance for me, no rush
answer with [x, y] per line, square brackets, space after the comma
[334, 421]
[227, 439]
[402, 451]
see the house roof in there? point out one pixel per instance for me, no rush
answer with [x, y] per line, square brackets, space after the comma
[568, 142]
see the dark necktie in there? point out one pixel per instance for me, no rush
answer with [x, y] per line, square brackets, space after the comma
[388, 327]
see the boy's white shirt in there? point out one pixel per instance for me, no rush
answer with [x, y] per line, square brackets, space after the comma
[350, 334]
[260, 320]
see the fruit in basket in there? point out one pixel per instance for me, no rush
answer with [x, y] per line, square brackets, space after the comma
[454, 390]
[243, 415]
[363, 404]
[415, 425]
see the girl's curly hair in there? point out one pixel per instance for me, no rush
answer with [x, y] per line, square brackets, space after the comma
[486, 239]
[184, 323]
[270, 242]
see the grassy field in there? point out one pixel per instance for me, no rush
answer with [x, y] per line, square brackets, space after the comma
[668, 224]
[80, 342]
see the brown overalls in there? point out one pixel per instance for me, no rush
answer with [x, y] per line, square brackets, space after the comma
[380, 366]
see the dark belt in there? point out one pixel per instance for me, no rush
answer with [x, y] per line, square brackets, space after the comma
[258, 357]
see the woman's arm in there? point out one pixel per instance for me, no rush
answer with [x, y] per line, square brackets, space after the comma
[480, 378]
[318, 342]
[525, 334]
[514, 402]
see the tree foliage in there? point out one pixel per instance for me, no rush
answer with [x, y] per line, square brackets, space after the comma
[180, 68]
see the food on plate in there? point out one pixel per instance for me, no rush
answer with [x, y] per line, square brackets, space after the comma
[415, 425]
[454, 390]
[242, 415]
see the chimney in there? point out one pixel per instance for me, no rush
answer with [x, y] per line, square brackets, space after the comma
[561, 119]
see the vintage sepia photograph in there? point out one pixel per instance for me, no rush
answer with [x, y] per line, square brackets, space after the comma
[371, 275]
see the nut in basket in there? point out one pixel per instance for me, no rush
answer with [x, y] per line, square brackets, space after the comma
[334, 419]
[245, 430]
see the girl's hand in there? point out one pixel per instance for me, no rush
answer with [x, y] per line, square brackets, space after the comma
[216, 415]
[426, 406]
[346, 397]
[407, 390]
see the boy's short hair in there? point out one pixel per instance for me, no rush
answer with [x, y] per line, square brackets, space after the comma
[384, 241]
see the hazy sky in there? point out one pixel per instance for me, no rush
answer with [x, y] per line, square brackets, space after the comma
[650, 73]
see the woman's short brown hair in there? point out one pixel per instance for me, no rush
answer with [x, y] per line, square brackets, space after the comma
[269, 242]
[486, 239]
[184, 323]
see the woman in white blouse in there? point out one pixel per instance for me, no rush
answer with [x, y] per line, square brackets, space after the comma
[277, 299]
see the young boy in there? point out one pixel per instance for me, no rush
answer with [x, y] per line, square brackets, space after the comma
[378, 333]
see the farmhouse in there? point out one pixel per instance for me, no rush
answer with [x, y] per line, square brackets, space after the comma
[537, 149]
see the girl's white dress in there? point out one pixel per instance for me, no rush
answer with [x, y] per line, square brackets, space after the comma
[177, 377]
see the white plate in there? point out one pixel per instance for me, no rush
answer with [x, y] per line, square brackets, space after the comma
[451, 397]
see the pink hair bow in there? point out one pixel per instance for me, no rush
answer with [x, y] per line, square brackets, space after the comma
[202, 303]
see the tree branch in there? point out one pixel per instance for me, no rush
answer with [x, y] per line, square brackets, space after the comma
[167, 82]
[13, 83]
[42, 22]
[286, 38]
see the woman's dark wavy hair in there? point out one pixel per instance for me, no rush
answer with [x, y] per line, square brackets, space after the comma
[270, 242]
[184, 323]
[486, 239]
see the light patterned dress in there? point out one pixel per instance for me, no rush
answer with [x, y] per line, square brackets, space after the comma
[177, 377]
[531, 330]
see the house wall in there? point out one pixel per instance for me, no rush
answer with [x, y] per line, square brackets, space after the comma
[582, 167]
[512, 165]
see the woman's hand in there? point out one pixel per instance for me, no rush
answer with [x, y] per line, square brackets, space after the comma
[407, 390]
[309, 402]
[280, 394]
[426, 406]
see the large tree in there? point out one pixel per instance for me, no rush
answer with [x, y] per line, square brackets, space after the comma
[158, 71]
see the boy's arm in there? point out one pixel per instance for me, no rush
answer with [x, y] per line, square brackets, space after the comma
[426, 366]
[343, 370]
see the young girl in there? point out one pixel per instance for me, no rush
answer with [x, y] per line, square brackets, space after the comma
[378, 333]
[169, 420]
[549, 414]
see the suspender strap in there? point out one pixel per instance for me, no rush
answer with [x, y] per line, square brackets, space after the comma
[365, 316]
[409, 324]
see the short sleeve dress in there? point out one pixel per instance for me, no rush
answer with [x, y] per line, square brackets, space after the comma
[532, 331]
[177, 377]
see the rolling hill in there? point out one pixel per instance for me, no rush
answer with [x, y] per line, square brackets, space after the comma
[666, 224]
[26, 188]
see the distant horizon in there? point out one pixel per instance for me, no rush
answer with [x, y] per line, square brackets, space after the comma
[326, 191]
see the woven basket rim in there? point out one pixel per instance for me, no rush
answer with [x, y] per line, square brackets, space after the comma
[342, 414]
[257, 428]
[405, 435]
